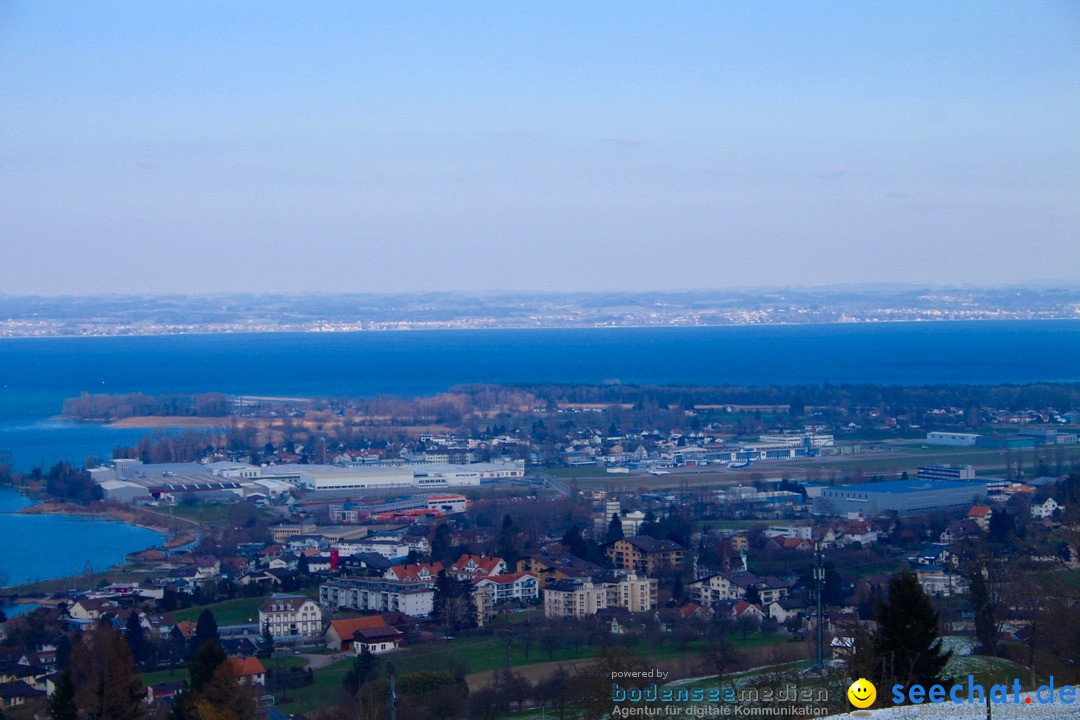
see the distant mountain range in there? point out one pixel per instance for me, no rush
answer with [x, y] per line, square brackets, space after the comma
[22, 316]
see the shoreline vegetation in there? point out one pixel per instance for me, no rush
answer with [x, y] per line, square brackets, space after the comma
[133, 515]
[165, 421]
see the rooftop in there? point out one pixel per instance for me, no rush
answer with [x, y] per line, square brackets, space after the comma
[909, 486]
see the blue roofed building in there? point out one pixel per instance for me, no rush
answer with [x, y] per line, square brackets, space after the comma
[899, 497]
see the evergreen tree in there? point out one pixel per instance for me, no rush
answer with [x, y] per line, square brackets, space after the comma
[575, 543]
[985, 610]
[136, 637]
[206, 629]
[63, 651]
[1001, 529]
[62, 703]
[440, 543]
[205, 663]
[507, 545]
[908, 642]
[453, 605]
[614, 530]
[365, 668]
[266, 641]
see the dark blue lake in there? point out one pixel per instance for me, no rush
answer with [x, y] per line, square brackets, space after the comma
[43, 547]
[37, 374]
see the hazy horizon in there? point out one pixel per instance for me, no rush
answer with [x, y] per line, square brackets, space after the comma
[347, 148]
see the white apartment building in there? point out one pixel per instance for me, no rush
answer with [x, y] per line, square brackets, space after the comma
[291, 615]
[578, 599]
[416, 599]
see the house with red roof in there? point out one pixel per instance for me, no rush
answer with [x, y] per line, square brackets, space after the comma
[339, 635]
[981, 514]
[424, 572]
[248, 670]
[747, 609]
[470, 567]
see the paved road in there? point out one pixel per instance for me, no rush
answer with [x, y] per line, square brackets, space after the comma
[554, 483]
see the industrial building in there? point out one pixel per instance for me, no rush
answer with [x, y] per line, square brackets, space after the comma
[134, 481]
[355, 512]
[902, 497]
[946, 472]
[959, 439]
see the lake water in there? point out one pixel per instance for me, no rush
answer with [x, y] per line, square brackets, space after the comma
[37, 374]
[44, 547]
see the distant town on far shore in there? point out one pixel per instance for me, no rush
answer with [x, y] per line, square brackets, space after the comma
[35, 316]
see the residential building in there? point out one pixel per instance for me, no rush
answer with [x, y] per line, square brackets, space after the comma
[1044, 509]
[422, 572]
[981, 514]
[339, 634]
[552, 567]
[738, 585]
[644, 554]
[376, 640]
[291, 615]
[415, 599]
[248, 670]
[471, 567]
[511, 586]
[581, 598]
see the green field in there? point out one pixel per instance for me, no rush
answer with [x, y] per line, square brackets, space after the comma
[481, 654]
[209, 514]
[226, 612]
[180, 673]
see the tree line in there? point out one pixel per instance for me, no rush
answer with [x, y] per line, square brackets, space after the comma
[110, 406]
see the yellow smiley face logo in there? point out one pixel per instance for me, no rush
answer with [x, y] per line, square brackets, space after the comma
[862, 693]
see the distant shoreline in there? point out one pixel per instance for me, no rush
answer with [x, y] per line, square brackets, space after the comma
[407, 327]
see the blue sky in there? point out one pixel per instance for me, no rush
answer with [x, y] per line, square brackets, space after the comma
[387, 147]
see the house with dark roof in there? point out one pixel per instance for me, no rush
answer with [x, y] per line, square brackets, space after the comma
[738, 585]
[365, 564]
[553, 567]
[13, 694]
[376, 640]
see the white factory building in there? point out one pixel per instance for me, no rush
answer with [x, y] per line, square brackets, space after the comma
[131, 480]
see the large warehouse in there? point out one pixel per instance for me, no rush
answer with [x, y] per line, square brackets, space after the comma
[903, 497]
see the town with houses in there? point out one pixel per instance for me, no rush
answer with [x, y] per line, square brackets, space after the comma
[374, 555]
